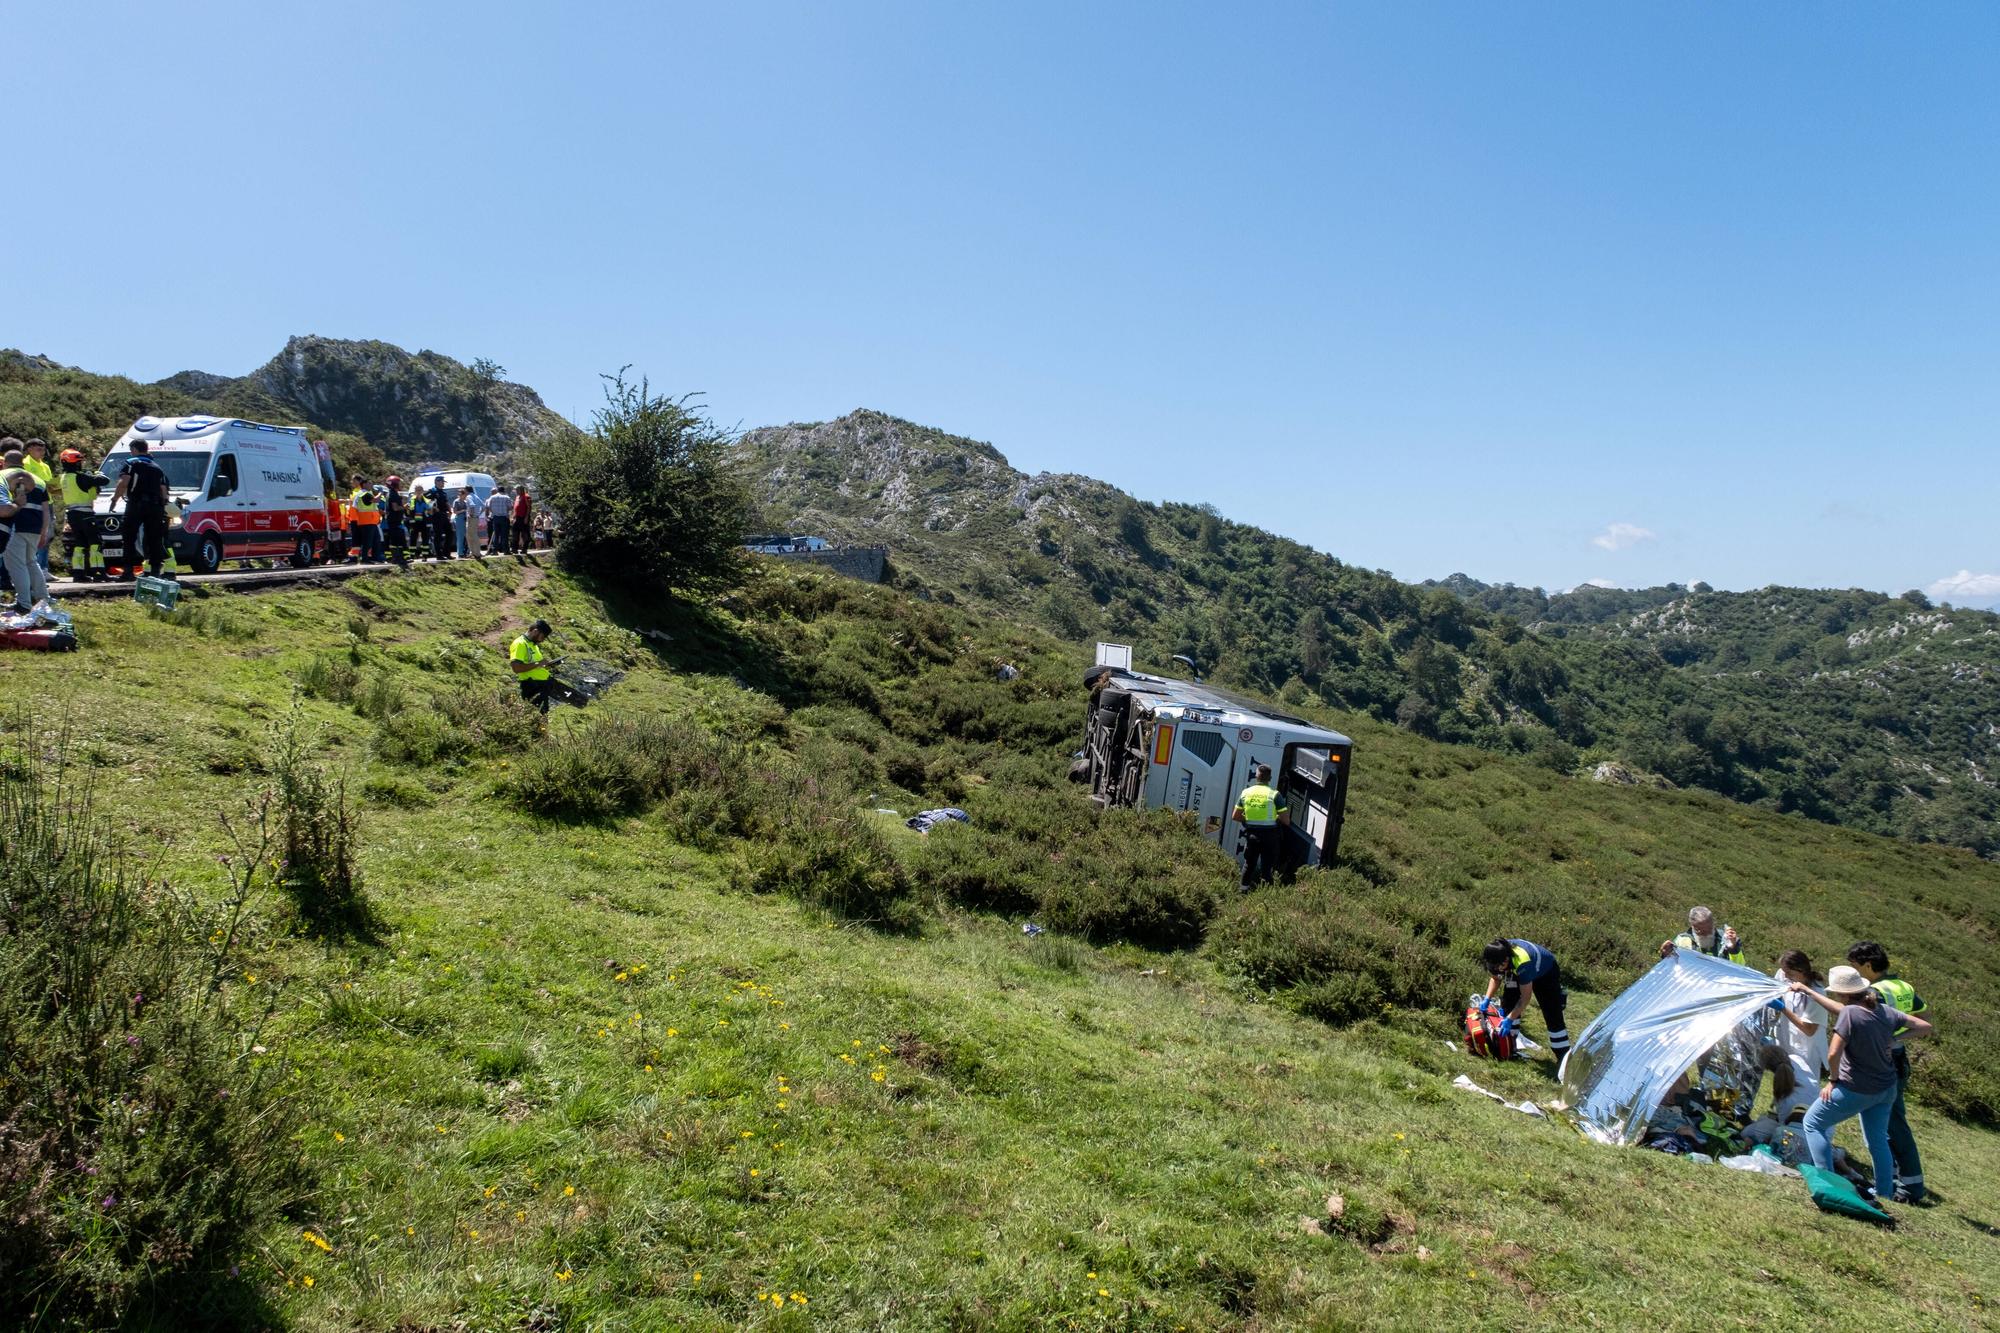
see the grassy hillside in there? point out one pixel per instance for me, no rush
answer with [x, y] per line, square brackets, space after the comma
[647, 1069]
[1848, 707]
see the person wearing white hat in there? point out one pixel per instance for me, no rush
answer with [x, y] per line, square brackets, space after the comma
[1863, 1083]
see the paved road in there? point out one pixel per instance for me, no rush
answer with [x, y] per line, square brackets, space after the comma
[252, 579]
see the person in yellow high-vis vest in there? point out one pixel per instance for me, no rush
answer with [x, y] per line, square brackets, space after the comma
[36, 460]
[1261, 811]
[79, 490]
[366, 503]
[525, 660]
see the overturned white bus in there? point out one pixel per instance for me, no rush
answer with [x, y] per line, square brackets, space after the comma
[1178, 745]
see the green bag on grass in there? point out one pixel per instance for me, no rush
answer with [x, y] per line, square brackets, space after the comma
[1833, 1193]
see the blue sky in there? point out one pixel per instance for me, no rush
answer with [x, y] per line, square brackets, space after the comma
[1543, 293]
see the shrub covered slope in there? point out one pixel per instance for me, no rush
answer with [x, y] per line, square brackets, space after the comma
[1847, 706]
[662, 1023]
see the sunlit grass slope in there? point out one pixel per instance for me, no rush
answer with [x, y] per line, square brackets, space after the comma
[586, 1080]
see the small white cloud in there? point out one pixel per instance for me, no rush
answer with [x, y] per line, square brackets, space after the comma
[1618, 536]
[1597, 583]
[1966, 586]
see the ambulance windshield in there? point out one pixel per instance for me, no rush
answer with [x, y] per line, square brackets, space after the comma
[186, 469]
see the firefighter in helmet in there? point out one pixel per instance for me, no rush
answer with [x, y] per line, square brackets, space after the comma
[79, 496]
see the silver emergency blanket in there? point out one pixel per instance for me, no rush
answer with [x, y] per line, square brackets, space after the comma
[1689, 1007]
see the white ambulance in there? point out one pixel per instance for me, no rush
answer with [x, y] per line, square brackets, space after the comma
[243, 490]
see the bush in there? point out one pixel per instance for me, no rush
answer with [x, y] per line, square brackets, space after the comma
[330, 678]
[618, 766]
[1325, 949]
[810, 842]
[1140, 876]
[140, 1144]
[318, 838]
[647, 498]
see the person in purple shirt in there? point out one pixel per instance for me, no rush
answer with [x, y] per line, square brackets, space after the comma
[1860, 1058]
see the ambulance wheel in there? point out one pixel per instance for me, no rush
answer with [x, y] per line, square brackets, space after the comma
[302, 554]
[208, 554]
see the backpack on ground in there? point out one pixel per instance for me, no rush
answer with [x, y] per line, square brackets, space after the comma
[1485, 1033]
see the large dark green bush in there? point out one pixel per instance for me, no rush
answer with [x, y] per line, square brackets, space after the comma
[140, 1140]
[647, 498]
[619, 765]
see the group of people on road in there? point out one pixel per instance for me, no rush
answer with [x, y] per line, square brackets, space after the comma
[1843, 1035]
[31, 490]
[431, 523]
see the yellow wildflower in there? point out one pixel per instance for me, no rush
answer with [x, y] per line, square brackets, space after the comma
[307, 1279]
[568, 1190]
[564, 1276]
[318, 1240]
[339, 1137]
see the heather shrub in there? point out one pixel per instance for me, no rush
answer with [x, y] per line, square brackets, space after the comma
[1138, 876]
[1326, 947]
[141, 1142]
[619, 765]
[318, 837]
[809, 841]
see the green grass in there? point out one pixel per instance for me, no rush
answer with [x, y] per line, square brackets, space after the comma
[581, 1043]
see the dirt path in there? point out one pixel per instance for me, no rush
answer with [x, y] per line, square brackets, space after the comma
[508, 612]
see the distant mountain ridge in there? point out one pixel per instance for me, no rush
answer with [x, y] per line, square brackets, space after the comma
[393, 404]
[1847, 706]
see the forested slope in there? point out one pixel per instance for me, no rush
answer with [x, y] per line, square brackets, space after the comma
[1848, 707]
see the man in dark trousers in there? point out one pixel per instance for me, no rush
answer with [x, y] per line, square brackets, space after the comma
[1261, 812]
[1513, 969]
[441, 533]
[143, 488]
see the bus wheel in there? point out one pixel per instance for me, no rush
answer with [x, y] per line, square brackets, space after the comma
[208, 554]
[302, 554]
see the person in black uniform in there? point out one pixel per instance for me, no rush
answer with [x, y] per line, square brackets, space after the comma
[143, 488]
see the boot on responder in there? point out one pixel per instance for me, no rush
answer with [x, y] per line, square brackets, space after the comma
[79, 497]
[1701, 936]
[1261, 811]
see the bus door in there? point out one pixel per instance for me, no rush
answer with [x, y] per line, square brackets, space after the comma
[1200, 783]
[1312, 785]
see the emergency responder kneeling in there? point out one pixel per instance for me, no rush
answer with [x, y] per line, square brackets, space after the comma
[1261, 812]
[524, 658]
[79, 497]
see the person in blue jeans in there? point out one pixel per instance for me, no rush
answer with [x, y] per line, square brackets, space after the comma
[1863, 1071]
[1871, 960]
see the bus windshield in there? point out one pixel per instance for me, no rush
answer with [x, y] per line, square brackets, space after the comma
[186, 470]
